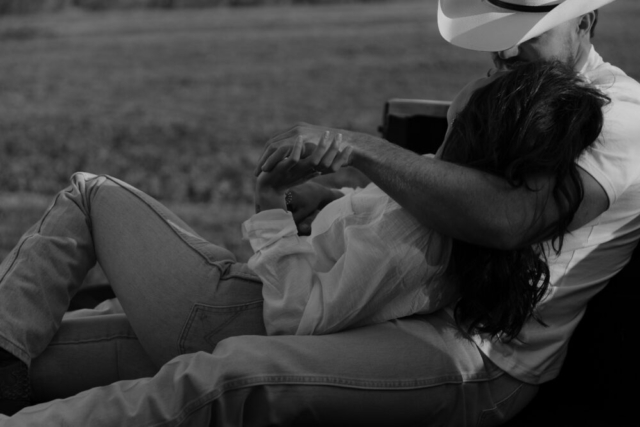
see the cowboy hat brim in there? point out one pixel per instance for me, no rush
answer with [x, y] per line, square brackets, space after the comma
[480, 25]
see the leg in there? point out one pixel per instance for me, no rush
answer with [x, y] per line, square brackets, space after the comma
[406, 372]
[180, 292]
[87, 352]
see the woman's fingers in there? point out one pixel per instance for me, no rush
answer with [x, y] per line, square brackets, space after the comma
[274, 158]
[297, 150]
[263, 158]
[292, 158]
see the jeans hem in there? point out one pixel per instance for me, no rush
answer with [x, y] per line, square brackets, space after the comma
[9, 346]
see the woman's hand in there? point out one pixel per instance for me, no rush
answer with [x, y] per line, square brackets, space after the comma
[306, 201]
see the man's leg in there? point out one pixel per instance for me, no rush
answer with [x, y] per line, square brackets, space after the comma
[415, 371]
[181, 293]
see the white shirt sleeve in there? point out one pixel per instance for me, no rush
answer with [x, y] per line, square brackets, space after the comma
[614, 159]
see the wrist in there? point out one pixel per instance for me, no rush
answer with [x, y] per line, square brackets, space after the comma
[362, 145]
[331, 195]
[269, 198]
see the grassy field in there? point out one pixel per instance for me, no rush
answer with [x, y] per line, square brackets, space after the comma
[180, 103]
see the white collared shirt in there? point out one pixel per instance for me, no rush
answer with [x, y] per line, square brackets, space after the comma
[366, 261]
[594, 253]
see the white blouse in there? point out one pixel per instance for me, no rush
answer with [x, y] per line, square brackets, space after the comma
[367, 261]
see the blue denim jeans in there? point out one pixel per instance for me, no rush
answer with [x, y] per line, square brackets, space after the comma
[187, 347]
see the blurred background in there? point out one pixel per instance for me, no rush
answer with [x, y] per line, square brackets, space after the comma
[178, 97]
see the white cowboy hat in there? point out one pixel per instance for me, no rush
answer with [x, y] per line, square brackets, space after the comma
[497, 25]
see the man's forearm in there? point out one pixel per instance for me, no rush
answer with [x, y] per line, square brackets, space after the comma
[461, 202]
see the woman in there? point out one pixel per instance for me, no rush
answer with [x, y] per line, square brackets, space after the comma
[182, 294]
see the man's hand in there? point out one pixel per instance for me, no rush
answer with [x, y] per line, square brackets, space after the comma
[281, 147]
[292, 170]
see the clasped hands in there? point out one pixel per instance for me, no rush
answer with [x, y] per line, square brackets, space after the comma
[291, 160]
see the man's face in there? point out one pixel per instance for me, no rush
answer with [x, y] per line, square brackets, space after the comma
[561, 43]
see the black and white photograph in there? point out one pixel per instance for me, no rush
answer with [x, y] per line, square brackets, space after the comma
[247, 213]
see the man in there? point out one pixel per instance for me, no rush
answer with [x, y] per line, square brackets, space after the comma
[421, 370]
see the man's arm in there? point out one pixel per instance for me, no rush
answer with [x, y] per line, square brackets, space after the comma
[461, 202]
[466, 203]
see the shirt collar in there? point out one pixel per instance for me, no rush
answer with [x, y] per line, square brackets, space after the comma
[594, 60]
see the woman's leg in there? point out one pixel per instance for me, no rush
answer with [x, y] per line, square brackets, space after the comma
[180, 292]
[88, 351]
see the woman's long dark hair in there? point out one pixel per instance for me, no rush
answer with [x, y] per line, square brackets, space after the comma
[535, 120]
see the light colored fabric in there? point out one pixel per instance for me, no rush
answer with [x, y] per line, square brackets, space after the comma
[594, 253]
[367, 261]
[409, 372]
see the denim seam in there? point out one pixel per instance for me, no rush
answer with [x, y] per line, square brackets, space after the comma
[196, 404]
[185, 329]
[55, 201]
[224, 308]
[343, 382]
[86, 341]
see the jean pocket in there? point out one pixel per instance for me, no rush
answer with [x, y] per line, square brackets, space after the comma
[207, 325]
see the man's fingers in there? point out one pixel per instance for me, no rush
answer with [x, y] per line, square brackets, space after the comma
[275, 158]
[329, 157]
[326, 144]
[342, 159]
